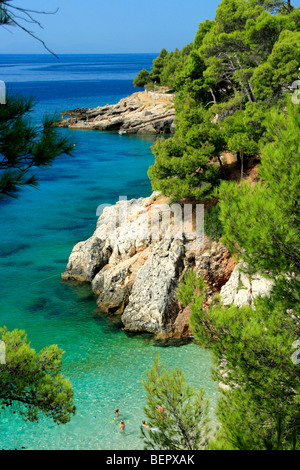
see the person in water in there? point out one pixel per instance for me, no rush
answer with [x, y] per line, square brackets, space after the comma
[122, 425]
[144, 425]
[117, 412]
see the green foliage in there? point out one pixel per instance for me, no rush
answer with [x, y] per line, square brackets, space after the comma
[263, 32]
[203, 29]
[5, 18]
[212, 225]
[24, 147]
[173, 65]
[241, 68]
[238, 66]
[228, 57]
[283, 6]
[166, 69]
[183, 166]
[157, 66]
[261, 222]
[187, 288]
[142, 78]
[281, 69]
[183, 423]
[243, 131]
[251, 348]
[34, 380]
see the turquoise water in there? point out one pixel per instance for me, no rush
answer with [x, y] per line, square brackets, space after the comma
[38, 231]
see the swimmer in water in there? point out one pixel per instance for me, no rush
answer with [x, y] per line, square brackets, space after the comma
[122, 425]
[145, 425]
[117, 413]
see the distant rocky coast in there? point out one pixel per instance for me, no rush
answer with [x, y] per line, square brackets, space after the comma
[141, 113]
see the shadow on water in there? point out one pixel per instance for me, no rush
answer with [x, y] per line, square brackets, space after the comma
[150, 339]
[45, 268]
[5, 252]
[110, 322]
[46, 306]
[21, 264]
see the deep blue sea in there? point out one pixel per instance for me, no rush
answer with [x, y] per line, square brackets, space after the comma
[38, 231]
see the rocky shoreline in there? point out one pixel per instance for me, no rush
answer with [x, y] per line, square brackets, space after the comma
[136, 276]
[144, 113]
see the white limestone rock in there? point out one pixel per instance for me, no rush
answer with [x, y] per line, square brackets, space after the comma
[152, 304]
[241, 289]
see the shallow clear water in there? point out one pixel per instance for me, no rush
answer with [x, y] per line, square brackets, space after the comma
[38, 231]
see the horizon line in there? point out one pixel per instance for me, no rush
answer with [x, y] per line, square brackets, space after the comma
[73, 53]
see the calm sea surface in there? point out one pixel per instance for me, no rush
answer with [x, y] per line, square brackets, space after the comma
[38, 232]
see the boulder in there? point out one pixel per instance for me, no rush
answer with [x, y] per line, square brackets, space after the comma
[241, 288]
[153, 305]
[113, 284]
[86, 260]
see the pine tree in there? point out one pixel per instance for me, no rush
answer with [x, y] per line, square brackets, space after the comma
[29, 381]
[157, 66]
[183, 165]
[24, 147]
[261, 222]
[252, 349]
[141, 79]
[252, 346]
[177, 415]
[32, 382]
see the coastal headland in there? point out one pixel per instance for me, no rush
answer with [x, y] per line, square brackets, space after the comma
[144, 112]
[136, 277]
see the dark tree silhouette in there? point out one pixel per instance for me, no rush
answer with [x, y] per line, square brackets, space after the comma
[24, 147]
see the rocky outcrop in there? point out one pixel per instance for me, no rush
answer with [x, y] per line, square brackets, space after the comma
[113, 284]
[135, 273]
[87, 258]
[113, 242]
[140, 113]
[242, 289]
[153, 305]
[215, 264]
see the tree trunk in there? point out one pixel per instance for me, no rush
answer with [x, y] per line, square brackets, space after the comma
[221, 166]
[242, 162]
[213, 95]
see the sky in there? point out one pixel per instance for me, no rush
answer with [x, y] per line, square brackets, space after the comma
[109, 26]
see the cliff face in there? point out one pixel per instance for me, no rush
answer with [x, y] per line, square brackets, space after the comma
[136, 274]
[140, 113]
[135, 271]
